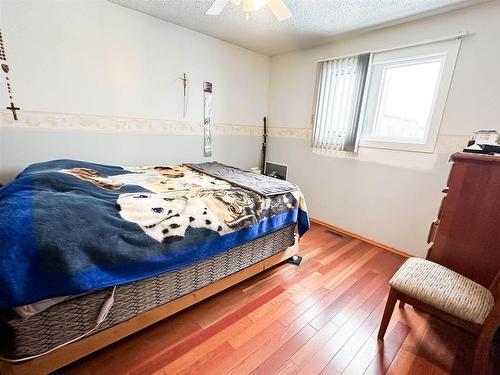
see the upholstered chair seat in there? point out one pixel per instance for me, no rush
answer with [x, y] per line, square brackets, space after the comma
[443, 289]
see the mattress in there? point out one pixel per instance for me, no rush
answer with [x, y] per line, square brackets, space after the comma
[76, 316]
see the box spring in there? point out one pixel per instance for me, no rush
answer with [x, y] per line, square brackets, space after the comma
[74, 317]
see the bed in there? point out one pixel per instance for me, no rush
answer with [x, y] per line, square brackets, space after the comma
[92, 253]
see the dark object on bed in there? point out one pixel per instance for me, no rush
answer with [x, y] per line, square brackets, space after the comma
[258, 183]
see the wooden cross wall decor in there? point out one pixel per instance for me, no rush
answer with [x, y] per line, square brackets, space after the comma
[6, 70]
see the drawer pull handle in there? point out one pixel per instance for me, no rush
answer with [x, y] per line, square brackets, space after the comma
[432, 231]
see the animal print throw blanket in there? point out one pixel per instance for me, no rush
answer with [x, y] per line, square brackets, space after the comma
[69, 227]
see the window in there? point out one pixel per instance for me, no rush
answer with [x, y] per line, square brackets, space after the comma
[402, 113]
[398, 104]
[406, 96]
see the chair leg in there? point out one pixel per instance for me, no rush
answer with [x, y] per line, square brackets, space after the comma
[482, 355]
[389, 308]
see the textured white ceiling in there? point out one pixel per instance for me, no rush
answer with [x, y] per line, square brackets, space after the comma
[313, 21]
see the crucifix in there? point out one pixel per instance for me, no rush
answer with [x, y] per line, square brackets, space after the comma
[13, 109]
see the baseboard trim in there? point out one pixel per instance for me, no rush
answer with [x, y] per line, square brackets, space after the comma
[361, 238]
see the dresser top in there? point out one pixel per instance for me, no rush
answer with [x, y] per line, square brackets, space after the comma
[467, 156]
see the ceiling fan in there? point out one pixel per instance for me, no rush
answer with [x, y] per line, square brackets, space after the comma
[279, 8]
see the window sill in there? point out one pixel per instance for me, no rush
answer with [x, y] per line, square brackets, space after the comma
[399, 146]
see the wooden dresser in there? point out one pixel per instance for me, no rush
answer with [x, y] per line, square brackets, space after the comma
[465, 236]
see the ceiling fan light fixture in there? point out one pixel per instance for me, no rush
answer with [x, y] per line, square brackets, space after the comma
[253, 5]
[277, 7]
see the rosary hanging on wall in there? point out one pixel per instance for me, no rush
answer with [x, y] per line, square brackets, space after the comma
[6, 70]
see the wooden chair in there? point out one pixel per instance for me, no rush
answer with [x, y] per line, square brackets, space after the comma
[451, 297]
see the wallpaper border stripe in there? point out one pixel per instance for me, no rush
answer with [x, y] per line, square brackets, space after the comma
[107, 124]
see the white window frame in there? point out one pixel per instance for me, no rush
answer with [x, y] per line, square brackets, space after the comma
[448, 51]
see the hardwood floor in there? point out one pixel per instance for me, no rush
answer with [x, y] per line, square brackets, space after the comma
[318, 318]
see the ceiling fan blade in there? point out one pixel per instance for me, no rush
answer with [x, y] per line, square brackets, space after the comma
[217, 7]
[279, 9]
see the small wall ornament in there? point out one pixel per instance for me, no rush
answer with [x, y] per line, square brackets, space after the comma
[207, 117]
[184, 80]
[6, 70]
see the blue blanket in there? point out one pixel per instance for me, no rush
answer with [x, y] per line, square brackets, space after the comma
[70, 227]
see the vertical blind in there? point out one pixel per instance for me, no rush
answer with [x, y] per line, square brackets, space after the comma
[338, 103]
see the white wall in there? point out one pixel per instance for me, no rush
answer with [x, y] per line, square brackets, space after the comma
[388, 196]
[94, 57]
